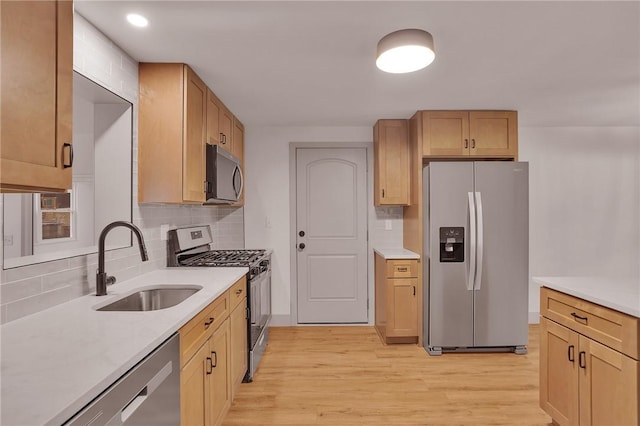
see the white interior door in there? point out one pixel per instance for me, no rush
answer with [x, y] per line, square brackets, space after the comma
[331, 235]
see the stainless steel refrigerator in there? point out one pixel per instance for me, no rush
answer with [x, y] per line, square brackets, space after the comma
[477, 241]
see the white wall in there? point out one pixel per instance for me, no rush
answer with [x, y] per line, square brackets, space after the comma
[267, 213]
[584, 202]
[29, 289]
[113, 170]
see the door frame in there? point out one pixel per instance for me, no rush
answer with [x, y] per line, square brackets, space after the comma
[293, 273]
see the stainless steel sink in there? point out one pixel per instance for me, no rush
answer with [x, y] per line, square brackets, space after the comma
[152, 299]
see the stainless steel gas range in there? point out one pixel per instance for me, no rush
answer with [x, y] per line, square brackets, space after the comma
[191, 247]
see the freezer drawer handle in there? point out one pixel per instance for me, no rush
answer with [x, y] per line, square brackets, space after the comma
[582, 359]
[578, 317]
[571, 353]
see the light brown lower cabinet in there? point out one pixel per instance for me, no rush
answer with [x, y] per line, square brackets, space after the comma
[239, 360]
[396, 311]
[583, 381]
[238, 324]
[210, 344]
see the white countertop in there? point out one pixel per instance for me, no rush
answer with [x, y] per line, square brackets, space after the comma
[623, 296]
[396, 253]
[56, 361]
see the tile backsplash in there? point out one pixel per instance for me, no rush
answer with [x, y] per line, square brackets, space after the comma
[30, 289]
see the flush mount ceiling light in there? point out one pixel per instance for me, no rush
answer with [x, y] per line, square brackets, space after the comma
[405, 51]
[137, 20]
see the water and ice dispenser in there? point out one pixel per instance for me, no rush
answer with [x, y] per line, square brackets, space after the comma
[452, 244]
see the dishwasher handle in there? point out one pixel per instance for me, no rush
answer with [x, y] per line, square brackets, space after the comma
[151, 386]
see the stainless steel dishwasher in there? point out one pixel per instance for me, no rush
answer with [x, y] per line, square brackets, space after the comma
[148, 394]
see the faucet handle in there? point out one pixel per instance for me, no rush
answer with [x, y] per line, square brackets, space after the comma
[111, 280]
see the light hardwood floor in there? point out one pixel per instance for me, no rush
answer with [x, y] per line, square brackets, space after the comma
[345, 375]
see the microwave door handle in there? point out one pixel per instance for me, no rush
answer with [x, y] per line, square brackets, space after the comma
[238, 170]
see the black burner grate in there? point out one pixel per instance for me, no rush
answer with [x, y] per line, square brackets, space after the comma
[224, 258]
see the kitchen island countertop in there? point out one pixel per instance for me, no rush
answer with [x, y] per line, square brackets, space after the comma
[623, 296]
[56, 361]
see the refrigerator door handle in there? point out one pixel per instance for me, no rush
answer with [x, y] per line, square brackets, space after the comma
[472, 242]
[480, 243]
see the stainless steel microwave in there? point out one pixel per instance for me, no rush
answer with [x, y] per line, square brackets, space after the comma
[224, 176]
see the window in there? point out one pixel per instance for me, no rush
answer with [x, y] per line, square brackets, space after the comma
[54, 215]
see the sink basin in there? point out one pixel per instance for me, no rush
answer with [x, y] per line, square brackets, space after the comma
[152, 299]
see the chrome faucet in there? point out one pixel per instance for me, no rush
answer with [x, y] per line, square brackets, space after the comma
[102, 279]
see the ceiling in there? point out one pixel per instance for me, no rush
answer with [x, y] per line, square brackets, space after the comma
[312, 63]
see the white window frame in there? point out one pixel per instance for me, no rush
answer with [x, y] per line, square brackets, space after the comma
[37, 219]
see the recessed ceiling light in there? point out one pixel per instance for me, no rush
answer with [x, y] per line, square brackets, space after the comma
[405, 51]
[137, 20]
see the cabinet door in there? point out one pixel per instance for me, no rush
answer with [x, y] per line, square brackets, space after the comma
[493, 133]
[213, 119]
[608, 386]
[402, 314]
[220, 395]
[195, 389]
[238, 344]
[195, 104]
[559, 372]
[445, 133]
[226, 127]
[391, 163]
[36, 81]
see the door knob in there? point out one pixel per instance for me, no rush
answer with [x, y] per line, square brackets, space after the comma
[301, 246]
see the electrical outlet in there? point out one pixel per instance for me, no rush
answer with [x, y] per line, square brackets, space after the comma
[8, 240]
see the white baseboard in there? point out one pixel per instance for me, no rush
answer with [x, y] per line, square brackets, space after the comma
[534, 317]
[282, 320]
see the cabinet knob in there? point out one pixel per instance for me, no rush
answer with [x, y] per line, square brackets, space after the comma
[571, 354]
[210, 366]
[301, 246]
[578, 317]
[66, 165]
[208, 323]
[466, 143]
[582, 359]
[473, 143]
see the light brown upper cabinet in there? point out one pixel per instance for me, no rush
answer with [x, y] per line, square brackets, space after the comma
[391, 163]
[237, 149]
[172, 133]
[36, 84]
[486, 134]
[219, 122]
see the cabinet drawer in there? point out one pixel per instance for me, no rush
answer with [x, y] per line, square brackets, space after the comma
[607, 326]
[402, 268]
[237, 292]
[196, 331]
